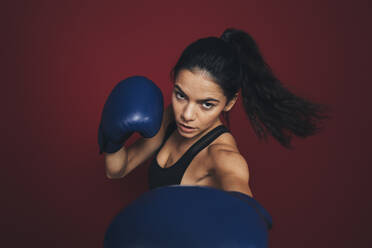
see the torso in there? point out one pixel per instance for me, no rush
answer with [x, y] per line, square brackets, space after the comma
[200, 171]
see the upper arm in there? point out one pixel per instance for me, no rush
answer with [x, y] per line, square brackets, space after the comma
[143, 148]
[231, 170]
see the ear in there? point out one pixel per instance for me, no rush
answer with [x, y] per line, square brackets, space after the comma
[231, 104]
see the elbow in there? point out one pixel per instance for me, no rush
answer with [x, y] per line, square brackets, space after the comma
[109, 176]
[114, 174]
[114, 167]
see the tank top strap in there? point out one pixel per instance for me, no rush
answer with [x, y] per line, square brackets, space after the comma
[202, 143]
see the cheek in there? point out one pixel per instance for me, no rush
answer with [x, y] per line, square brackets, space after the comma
[209, 117]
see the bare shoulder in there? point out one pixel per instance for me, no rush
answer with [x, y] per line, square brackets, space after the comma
[226, 157]
[224, 154]
[224, 142]
[229, 167]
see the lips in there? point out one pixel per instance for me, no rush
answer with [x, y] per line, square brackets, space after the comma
[186, 126]
[185, 129]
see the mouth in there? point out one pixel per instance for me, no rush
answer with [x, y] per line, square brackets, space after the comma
[185, 128]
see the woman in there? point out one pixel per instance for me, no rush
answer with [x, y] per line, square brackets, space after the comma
[192, 146]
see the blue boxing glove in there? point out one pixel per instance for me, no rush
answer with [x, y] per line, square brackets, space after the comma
[255, 205]
[190, 216]
[134, 105]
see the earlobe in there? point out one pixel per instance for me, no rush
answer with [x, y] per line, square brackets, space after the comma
[231, 104]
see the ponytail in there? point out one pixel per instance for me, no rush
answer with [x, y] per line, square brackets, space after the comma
[271, 108]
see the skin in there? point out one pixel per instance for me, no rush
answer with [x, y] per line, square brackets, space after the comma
[197, 101]
[219, 165]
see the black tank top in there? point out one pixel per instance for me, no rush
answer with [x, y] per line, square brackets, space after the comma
[172, 175]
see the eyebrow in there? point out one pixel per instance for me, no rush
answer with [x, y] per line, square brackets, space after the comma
[200, 100]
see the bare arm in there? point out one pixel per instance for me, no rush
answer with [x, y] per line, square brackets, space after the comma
[122, 162]
[231, 170]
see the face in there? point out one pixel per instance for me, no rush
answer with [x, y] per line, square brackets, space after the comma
[197, 103]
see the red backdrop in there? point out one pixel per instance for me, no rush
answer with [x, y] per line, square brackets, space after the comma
[61, 59]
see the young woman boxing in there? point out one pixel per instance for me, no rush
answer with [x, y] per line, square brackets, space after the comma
[190, 144]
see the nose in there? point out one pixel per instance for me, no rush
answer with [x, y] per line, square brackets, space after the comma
[188, 113]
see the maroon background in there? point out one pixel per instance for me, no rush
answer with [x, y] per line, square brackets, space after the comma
[61, 59]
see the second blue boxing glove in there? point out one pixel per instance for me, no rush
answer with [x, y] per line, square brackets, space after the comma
[134, 105]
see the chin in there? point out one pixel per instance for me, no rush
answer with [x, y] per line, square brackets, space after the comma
[187, 135]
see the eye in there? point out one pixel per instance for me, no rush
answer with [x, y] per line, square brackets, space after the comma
[179, 95]
[208, 105]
